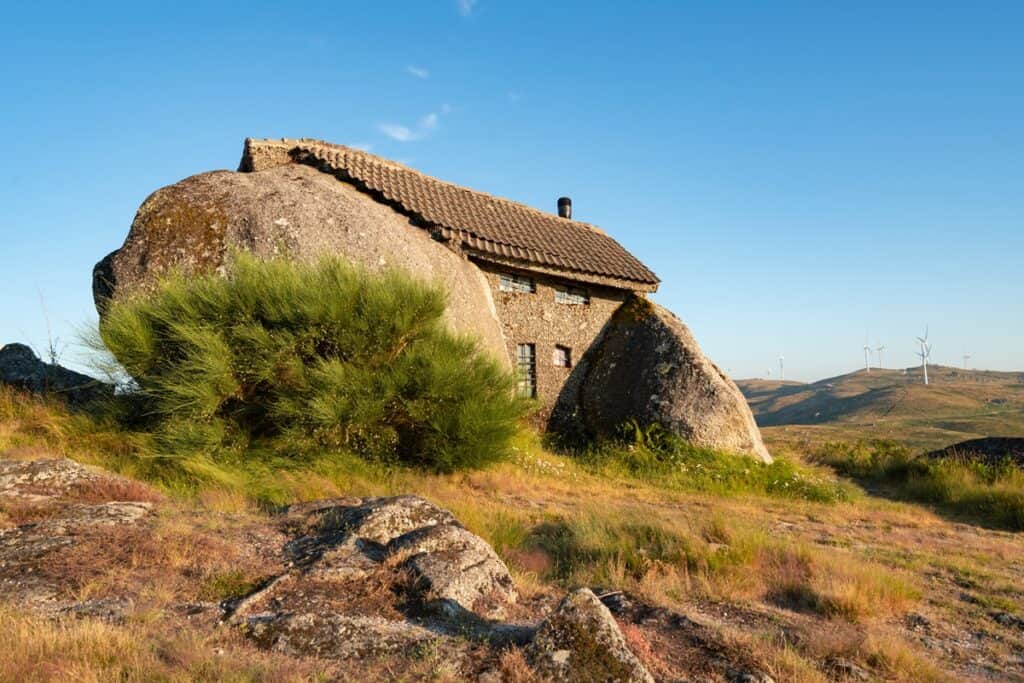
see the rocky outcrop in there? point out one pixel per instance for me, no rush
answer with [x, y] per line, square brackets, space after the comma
[450, 568]
[397, 581]
[649, 367]
[292, 211]
[46, 501]
[337, 601]
[42, 479]
[22, 368]
[580, 641]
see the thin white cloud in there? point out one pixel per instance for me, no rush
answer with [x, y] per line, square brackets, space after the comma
[465, 6]
[424, 127]
[417, 71]
[362, 146]
[446, 108]
[398, 132]
[513, 96]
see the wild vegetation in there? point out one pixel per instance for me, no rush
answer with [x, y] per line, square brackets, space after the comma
[658, 457]
[262, 365]
[990, 492]
[817, 566]
[798, 580]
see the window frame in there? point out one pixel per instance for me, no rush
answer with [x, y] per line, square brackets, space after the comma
[562, 356]
[514, 283]
[526, 370]
[569, 295]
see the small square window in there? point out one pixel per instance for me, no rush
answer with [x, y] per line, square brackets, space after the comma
[563, 357]
[572, 295]
[521, 284]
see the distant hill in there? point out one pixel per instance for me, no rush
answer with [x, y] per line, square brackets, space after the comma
[956, 405]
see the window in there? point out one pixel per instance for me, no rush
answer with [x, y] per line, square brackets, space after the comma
[526, 371]
[563, 357]
[517, 283]
[572, 295]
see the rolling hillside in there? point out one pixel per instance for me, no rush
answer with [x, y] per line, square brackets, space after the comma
[955, 406]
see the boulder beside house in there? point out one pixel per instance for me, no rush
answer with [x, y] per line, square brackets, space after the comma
[540, 290]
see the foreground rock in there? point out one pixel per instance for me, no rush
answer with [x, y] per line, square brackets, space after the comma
[294, 211]
[45, 503]
[649, 367]
[376, 576]
[582, 642]
[395, 586]
[42, 479]
[21, 367]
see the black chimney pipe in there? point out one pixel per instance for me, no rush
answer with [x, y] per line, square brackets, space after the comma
[565, 207]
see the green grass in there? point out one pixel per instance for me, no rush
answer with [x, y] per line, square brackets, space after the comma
[233, 583]
[655, 456]
[992, 493]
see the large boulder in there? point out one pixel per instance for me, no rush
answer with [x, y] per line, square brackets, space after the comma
[292, 211]
[648, 367]
[22, 368]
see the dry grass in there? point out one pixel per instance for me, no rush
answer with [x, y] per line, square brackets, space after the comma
[14, 512]
[843, 574]
[515, 669]
[891, 653]
[90, 651]
[108, 489]
[167, 561]
[641, 647]
[833, 584]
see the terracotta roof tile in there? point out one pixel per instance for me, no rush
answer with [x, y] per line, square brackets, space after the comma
[480, 222]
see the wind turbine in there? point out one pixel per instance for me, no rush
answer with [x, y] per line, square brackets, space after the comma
[925, 353]
[867, 357]
[967, 357]
[782, 369]
[880, 349]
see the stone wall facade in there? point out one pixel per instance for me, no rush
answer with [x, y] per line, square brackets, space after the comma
[538, 318]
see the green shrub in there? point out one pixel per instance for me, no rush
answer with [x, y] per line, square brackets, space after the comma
[992, 492]
[284, 360]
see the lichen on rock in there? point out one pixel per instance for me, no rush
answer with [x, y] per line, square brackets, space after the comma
[581, 641]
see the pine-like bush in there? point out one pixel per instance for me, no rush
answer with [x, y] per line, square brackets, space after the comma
[288, 359]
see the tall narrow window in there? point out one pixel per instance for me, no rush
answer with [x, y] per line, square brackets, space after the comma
[521, 284]
[526, 370]
[572, 295]
[562, 357]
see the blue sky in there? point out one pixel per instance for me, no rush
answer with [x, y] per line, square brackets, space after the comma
[799, 174]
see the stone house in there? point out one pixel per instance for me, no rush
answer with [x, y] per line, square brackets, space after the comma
[554, 299]
[555, 282]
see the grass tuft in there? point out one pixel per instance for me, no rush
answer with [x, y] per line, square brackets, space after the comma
[991, 492]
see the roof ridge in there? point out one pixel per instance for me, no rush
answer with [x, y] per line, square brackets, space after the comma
[409, 169]
[480, 221]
